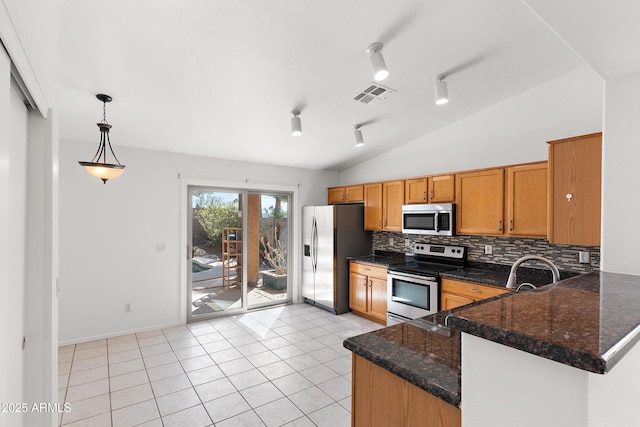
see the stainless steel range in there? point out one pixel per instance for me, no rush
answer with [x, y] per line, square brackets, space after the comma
[413, 286]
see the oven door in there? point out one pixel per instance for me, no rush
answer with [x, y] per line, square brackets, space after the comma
[411, 296]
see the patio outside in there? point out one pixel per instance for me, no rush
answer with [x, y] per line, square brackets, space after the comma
[210, 293]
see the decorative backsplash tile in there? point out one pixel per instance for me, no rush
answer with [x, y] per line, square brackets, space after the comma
[506, 250]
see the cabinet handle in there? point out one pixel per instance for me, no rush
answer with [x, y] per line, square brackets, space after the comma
[385, 222]
[371, 283]
[379, 223]
[569, 196]
[431, 195]
[424, 196]
[499, 225]
[510, 225]
[477, 291]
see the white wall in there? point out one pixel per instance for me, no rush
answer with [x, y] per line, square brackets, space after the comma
[504, 387]
[513, 131]
[621, 175]
[109, 234]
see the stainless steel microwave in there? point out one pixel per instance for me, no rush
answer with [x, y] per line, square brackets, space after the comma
[431, 219]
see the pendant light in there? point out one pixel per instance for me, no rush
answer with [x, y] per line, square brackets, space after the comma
[296, 123]
[357, 136]
[103, 170]
[378, 65]
[442, 95]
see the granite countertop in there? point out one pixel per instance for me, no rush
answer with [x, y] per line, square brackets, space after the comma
[497, 274]
[377, 260]
[418, 351]
[588, 321]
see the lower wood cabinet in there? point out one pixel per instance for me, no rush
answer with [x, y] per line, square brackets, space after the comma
[380, 398]
[456, 293]
[368, 291]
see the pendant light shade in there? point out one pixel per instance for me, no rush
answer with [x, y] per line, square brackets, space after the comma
[378, 65]
[442, 95]
[101, 169]
[296, 123]
[357, 136]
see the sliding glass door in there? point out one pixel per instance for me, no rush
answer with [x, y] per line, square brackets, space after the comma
[238, 251]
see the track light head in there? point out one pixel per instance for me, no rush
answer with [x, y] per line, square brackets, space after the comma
[357, 136]
[378, 65]
[442, 94]
[296, 123]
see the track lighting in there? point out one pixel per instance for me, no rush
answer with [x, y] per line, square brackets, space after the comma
[380, 71]
[357, 136]
[442, 95]
[296, 123]
[103, 170]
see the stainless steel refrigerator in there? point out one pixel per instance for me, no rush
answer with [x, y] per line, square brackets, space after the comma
[331, 234]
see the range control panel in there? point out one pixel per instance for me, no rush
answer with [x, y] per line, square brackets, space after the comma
[443, 251]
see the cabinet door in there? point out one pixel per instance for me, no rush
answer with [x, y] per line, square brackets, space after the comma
[480, 198]
[575, 168]
[336, 195]
[527, 200]
[354, 193]
[378, 297]
[358, 287]
[449, 301]
[441, 189]
[415, 191]
[373, 206]
[392, 201]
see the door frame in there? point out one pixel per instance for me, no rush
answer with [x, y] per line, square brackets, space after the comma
[294, 227]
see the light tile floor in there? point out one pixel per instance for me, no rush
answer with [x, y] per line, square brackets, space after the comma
[274, 367]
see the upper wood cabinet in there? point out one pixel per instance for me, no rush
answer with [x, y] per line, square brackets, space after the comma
[415, 191]
[432, 189]
[392, 201]
[383, 205]
[480, 202]
[575, 168]
[347, 194]
[373, 206]
[527, 200]
[442, 189]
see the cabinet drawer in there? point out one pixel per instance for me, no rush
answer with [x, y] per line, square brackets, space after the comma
[474, 290]
[369, 270]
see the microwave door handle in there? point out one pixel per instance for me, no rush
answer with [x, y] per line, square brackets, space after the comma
[436, 223]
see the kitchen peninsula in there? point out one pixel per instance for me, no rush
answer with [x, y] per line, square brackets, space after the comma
[563, 355]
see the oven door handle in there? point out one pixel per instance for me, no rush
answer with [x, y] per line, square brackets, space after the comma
[394, 274]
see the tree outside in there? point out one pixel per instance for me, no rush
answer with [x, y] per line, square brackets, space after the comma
[214, 213]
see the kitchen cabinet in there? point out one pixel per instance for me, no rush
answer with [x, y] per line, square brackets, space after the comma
[381, 398]
[480, 202]
[527, 200]
[392, 201]
[442, 189]
[432, 189]
[456, 293]
[373, 206]
[347, 194]
[368, 291]
[383, 205]
[575, 168]
[415, 191]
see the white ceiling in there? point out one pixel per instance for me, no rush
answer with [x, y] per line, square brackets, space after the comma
[218, 78]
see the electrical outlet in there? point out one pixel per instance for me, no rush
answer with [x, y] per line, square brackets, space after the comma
[488, 249]
[407, 242]
[584, 257]
[391, 241]
[127, 308]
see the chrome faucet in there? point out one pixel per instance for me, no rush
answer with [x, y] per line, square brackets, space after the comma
[511, 282]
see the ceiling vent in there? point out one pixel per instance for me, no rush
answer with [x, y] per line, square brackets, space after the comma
[374, 94]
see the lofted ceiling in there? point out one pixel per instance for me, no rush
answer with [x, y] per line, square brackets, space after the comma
[219, 78]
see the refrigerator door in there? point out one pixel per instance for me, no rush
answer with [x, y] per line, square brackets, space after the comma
[324, 254]
[308, 271]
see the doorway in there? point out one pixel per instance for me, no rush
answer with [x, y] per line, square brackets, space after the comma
[238, 250]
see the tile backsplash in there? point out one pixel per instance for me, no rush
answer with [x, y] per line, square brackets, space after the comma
[506, 250]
